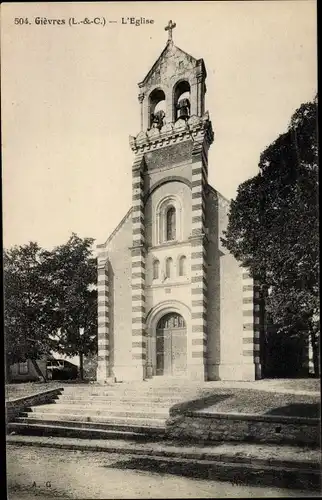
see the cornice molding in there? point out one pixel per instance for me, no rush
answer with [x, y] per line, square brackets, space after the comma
[196, 128]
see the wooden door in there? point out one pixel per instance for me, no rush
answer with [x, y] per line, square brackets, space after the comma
[171, 345]
[179, 351]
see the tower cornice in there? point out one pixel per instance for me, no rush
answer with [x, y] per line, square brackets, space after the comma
[195, 128]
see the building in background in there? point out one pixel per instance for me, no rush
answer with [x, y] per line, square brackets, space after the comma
[25, 371]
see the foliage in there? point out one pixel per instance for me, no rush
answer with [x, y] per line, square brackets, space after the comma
[73, 277]
[27, 310]
[273, 225]
[90, 366]
[50, 300]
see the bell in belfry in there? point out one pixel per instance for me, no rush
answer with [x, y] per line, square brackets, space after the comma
[158, 119]
[183, 108]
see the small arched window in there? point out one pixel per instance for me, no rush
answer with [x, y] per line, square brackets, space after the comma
[168, 267]
[156, 269]
[168, 220]
[182, 266]
[171, 224]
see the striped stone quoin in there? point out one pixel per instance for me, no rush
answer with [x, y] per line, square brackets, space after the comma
[198, 262]
[138, 268]
[103, 372]
[251, 328]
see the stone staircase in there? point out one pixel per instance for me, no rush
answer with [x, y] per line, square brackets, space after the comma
[127, 410]
[130, 420]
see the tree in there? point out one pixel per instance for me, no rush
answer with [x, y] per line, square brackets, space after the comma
[273, 228]
[74, 314]
[27, 310]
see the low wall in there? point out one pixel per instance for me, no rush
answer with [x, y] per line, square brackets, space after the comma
[241, 427]
[18, 405]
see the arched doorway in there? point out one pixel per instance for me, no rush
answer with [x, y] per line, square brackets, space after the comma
[171, 345]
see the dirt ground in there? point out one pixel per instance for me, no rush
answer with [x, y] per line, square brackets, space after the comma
[41, 473]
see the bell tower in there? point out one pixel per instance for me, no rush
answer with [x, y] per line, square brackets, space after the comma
[170, 162]
[173, 89]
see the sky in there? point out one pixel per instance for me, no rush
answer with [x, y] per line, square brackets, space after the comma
[69, 101]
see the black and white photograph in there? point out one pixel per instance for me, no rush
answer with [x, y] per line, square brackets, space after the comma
[161, 249]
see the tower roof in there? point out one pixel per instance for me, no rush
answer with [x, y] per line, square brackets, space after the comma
[179, 56]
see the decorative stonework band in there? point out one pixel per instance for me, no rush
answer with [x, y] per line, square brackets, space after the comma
[251, 323]
[198, 257]
[138, 265]
[103, 321]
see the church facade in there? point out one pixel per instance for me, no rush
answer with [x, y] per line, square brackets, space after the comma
[172, 301]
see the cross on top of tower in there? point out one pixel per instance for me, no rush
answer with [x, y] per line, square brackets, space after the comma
[170, 27]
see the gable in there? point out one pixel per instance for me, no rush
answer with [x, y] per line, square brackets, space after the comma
[102, 248]
[172, 61]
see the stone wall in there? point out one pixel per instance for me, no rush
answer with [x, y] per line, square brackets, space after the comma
[169, 156]
[238, 427]
[119, 255]
[16, 406]
[224, 314]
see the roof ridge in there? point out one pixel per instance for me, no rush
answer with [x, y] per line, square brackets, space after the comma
[161, 55]
[217, 192]
[118, 227]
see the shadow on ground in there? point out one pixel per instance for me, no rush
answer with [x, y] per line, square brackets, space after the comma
[199, 404]
[308, 410]
[252, 402]
[237, 474]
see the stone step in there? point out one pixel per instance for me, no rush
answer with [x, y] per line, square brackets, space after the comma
[139, 399]
[108, 412]
[116, 430]
[76, 430]
[133, 394]
[109, 419]
[101, 408]
[157, 391]
[113, 405]
[129, 397]
[119, 401]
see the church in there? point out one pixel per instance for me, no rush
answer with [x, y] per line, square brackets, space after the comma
[172, 301]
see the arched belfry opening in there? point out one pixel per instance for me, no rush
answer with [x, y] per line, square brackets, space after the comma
[181, 101]
[157, 108]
